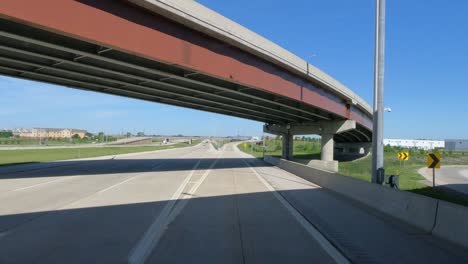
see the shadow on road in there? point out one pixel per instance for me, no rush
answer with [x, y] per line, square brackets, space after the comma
[447, 192]
[113, 166]
[209, 226]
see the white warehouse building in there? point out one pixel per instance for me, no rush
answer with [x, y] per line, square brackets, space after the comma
[415, 143]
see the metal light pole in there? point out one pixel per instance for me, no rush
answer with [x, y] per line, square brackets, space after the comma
[377, 135]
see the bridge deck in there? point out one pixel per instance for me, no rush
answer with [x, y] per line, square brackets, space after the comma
[124, 50]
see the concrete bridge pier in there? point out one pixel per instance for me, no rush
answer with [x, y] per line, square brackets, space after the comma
[328, 147]
[327, 129]
[288, 146]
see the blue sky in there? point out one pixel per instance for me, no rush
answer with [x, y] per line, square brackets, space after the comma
[426, 74]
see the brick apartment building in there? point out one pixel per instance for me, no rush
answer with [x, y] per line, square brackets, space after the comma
[56, 133]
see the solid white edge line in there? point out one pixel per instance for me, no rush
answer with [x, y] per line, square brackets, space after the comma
[331, 250]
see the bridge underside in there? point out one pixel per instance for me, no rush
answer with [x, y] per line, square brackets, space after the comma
[35, 54]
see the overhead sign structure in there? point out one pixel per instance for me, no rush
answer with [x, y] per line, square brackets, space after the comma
[433, 160]
[403, 155]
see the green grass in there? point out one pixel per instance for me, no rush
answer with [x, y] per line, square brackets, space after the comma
[10, 157]
[219, 143]
[410, 179]
[196, 141]
[302, 149]
[247, 148]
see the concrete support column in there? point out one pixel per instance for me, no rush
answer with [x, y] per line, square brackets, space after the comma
[287, 150]
[327, 147]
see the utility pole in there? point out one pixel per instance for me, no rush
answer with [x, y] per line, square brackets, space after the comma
[377, 135]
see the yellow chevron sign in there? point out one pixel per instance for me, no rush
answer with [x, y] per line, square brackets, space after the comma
[433, 160]
[403, 155]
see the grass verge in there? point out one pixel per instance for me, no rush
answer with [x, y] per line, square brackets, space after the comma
[12, 157]
[410, 179]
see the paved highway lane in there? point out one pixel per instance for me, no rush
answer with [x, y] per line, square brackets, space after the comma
[193, 205]
[90, 212]
[235, 218]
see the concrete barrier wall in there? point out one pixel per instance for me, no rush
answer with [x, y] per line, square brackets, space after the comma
[444, 220]
[452, 223]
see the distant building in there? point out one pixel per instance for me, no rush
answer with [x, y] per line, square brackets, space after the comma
[55, 133]
[415, 143]
[456, 144]
[22, 132]
[81, 133]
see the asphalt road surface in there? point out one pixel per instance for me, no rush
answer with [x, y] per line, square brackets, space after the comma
[453, 177]
[193, 205]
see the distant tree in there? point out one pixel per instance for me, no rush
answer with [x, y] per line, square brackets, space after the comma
[110, 138]
[88, 135]
[76, 136]
[6, 134]
[388, 148]
[99, 137]
[129, 134]
[140, 134]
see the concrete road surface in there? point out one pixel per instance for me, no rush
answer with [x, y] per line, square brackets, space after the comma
[193, 205]
[453, 177]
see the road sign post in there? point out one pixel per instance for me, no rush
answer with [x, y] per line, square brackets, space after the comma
[403, 156]
[433, 162]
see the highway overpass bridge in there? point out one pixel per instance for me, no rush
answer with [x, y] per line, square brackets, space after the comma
[180, 53]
